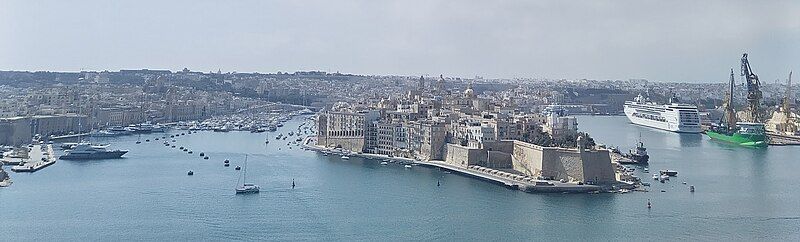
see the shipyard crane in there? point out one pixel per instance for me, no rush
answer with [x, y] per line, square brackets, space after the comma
[753, 91]
[730, 113]
[787, 100]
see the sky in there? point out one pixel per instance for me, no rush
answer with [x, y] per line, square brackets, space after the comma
[682, 41]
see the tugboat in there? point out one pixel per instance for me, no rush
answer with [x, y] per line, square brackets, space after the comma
[638, 155]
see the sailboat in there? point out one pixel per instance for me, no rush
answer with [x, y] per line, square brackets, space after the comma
[246, 187]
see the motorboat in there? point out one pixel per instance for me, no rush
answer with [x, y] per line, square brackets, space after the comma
[86, 151]
[668, 172]
[407, 166]
[344, 157]
[384, 163]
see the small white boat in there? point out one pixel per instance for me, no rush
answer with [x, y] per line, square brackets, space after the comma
[384, 163]
[344, 157]
[646, 170]
[655, 176]
[407, 166]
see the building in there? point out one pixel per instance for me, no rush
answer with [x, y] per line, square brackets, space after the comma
[346, 129]
[119, 116]
[15, 131]
[47, 125]
[553, 163]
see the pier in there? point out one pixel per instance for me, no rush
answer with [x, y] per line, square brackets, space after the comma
[780, 140]
[38, 158]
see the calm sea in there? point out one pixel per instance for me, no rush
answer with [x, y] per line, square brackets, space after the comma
[741, 194]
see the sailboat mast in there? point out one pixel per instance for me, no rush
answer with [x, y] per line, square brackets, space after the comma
[245, 170]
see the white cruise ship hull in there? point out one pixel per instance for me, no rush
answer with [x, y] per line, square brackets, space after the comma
[673, 127]
[663, 121]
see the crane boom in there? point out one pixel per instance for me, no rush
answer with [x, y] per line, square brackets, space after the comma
[753, 91]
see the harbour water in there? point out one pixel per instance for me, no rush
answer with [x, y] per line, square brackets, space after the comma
[742, 194]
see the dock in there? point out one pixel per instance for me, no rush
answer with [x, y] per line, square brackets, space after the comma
[781, 140]
[38, 158]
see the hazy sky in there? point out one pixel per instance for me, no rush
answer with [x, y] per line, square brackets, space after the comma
[656, 40]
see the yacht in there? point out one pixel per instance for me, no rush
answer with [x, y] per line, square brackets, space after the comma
[246, 187]
[86, 151]
[675, 117]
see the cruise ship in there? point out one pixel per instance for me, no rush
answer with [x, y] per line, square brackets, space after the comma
[675, 117]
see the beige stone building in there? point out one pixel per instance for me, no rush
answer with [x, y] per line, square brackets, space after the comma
[575, 165]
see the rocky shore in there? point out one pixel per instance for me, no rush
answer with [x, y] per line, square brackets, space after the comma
[5, 180]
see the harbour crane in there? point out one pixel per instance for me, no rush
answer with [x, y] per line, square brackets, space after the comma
[753, 91]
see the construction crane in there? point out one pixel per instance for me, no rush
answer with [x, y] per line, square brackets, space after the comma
[753, 91]
[787, 100]
[730, 113]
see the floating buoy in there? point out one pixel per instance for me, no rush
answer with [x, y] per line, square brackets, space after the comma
[648, 204]
[691, 188]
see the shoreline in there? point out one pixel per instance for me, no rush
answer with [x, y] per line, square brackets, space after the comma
[511, 181]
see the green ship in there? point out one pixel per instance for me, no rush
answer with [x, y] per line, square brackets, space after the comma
[745, 134]
[750, 134]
